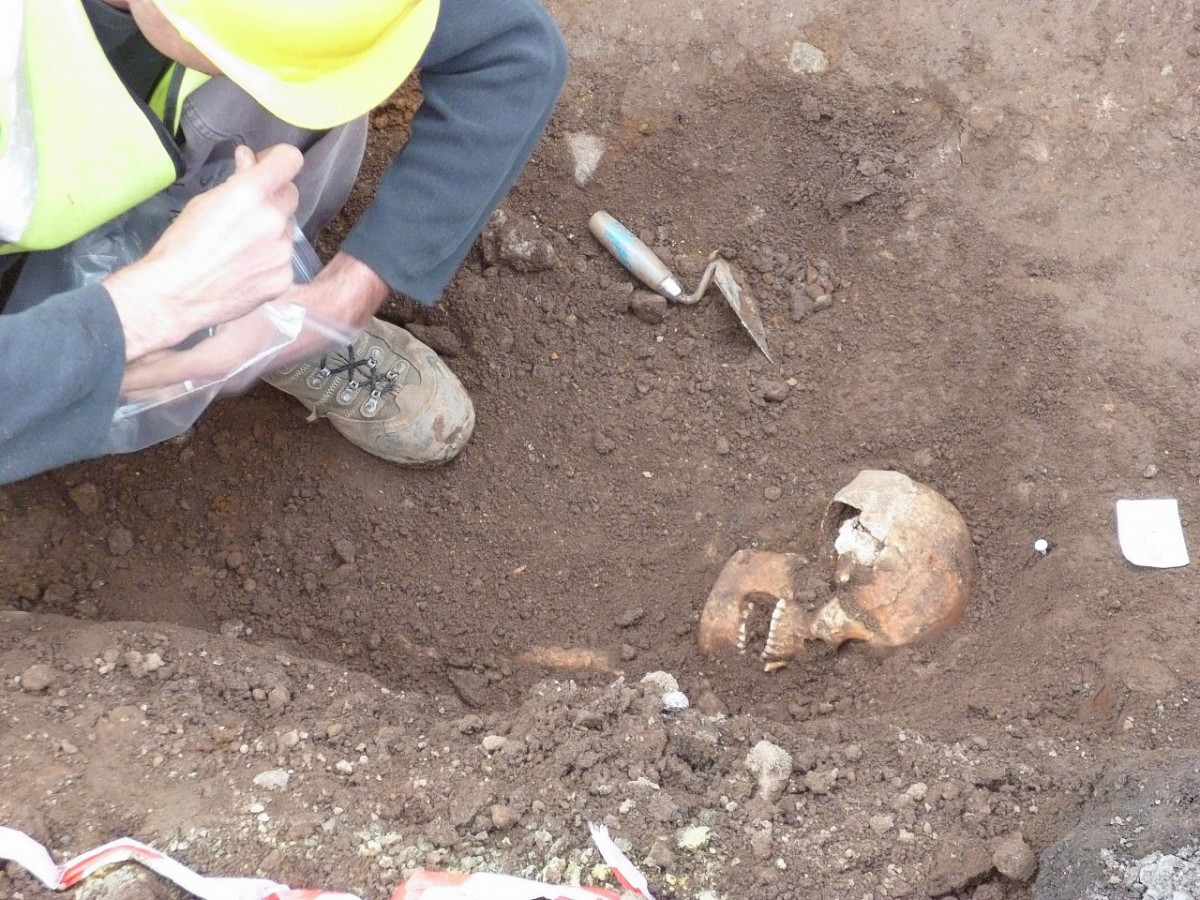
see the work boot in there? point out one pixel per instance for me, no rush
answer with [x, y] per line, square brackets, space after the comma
[388, 394]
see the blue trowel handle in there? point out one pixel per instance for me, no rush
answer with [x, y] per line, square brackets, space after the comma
[634, 255]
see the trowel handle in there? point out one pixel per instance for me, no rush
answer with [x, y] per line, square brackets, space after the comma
[634, 255]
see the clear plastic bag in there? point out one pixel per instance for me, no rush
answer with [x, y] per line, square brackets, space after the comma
[165, 394]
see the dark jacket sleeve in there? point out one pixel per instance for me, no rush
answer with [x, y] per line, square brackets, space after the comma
[61, 364]
[490, 78]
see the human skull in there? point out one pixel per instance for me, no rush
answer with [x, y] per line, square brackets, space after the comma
[903, 566]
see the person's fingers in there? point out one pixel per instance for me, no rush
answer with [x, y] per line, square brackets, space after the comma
[276, 166]
[243, 158]
[268, 179]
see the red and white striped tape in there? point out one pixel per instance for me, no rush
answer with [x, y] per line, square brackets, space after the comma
[424, 884]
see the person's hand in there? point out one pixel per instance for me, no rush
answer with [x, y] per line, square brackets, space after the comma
[229, 251]
[235, 354]
[345, 293]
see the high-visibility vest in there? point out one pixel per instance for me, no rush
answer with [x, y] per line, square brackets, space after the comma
[76, 148]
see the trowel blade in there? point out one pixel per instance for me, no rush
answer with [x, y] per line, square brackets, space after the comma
[743, 304]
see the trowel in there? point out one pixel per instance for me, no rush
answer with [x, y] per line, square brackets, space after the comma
[640, 260]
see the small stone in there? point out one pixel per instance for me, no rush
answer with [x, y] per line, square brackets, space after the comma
[693, 838]
[628, 652]
[273, 780]
[661, 856]
[674, 701]
[344, 767]
[494, 742]
[806, 59]
[345, 548]
[774, 391]
[772, 766]
[761, 843]
[586, 152]
[801, 306]
[957, 868]
[648, 306]
[279, 697]
[917, 792]
[852, 752]
[772, 492]
[630, 617]
[86, 498]
[334, 730]
[37, 678]
[870, 167]
[1014, 858]
[821, 783]
[660, 682]
[823, 302]
[882, 824]
[723, 446]
[504, 817]
[516, 243]
[58, 593]
[1150, 471]
[120, 541]
[603, 443]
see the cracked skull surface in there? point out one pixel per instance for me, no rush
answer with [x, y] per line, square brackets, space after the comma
[902, 562]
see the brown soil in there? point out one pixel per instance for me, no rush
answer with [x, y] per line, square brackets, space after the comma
[1000, 200]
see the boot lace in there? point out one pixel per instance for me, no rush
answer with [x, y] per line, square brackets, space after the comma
[360, 373]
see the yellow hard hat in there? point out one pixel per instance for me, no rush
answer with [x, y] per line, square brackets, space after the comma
[313, 63]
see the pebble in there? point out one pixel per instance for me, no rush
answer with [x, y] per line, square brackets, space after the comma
[821, 783]
[662, 682]
[772, 766]
[586, 152]
[806, 59]
[1150, 471]
[344, 767]
[917, 792]
[120, 541]
[630, 617]
[772, 492]
[693, 838]
[661, 855]
[37, 678]
[801, 306]
[494, 742]
[761, 843]
[957, 868]
[1014, 858]
[882, 823]
[648, 306]
[273, 779]
[345, 550]
[279, 696]
[675, 701]
[504, 817]
[723, 446]
[628, 652]
[774, 391]
[86, 498]
[517, 243]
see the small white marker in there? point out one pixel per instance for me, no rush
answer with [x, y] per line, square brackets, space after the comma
[1042, 546]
